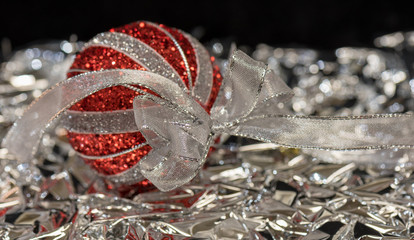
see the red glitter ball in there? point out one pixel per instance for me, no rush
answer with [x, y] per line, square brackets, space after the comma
[96, 58]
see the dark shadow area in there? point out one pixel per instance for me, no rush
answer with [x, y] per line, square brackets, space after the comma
[317, 24]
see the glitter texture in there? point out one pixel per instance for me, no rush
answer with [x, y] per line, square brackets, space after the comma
[95, 59]
[164, 45]
[217, 79]
[104, 144]
[100, 54]
[99, 58]
[110, 166]
[187, 49]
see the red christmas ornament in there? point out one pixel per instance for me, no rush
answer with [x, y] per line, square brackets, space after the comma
[178, 50]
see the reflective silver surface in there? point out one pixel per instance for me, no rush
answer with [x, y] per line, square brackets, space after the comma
[247, 190]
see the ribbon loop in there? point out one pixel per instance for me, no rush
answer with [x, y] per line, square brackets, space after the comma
[178, 130]
[249, 89]
[239, 91]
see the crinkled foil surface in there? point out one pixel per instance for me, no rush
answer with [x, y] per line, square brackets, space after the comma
[248, 189]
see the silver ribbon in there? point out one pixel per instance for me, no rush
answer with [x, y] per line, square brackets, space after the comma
[180, 131]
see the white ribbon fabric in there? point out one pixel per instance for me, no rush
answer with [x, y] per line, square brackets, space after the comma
[180, 131]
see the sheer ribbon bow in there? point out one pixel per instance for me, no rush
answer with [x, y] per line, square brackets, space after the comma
[180, 131]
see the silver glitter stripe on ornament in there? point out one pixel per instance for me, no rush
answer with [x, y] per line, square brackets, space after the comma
[129, 176]
[139, 52]
[112, 155]
[180, 50]
[118, 121]
[204, 81]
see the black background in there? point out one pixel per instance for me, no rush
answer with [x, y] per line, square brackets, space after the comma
[316, 24]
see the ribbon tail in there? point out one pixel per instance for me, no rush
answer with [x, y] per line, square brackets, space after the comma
[240, 89]
[386, 158]
[331, 133]
[251, 105]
